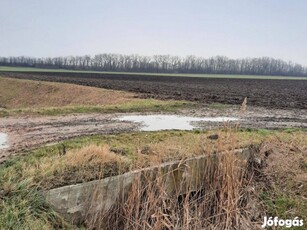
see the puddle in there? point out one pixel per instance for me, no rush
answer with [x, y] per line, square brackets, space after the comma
[3, 141]
[169, 122]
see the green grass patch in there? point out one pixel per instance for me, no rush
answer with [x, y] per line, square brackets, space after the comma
[29, 69]
[264, 132]
[281, 204]
[142, 105]
[26, 208]
[218, 106]
[278, 205]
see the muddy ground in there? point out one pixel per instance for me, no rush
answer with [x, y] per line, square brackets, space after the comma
[281, 94]
[26, 133]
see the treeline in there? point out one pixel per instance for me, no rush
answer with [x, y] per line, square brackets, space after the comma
[163, 64]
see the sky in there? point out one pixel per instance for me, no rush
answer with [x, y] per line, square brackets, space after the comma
[232, 28]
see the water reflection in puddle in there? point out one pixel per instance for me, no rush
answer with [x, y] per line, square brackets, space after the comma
[169, 122]
[3, 141]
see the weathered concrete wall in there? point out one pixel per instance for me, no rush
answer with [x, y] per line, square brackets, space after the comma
[77, 201]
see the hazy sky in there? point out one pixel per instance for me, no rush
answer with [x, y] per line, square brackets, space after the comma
[234, 28]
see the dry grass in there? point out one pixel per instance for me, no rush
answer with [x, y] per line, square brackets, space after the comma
[15, 93]
[233, 195]
[96, 161]
[287, 160]
[88, 163]
[220, 202]
[116, 155]
[286, 175]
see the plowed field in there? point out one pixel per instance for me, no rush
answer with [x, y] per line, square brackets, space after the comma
[280, 94]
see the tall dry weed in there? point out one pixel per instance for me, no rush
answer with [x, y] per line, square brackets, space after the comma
[219, 202]
[243, 105]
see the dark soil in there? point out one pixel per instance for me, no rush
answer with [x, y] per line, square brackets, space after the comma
[266, 93]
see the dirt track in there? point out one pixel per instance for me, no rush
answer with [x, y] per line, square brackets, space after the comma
[287, 94]
[26, 133]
